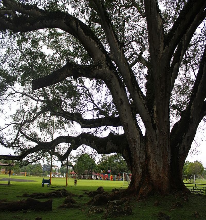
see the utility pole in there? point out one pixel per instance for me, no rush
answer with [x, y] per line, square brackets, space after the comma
[67, 173]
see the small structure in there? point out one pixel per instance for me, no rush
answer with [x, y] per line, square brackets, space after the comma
[3, 170]
[7, 172]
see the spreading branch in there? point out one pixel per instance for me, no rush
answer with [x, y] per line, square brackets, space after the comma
[184, 130]
[123, 66]
[70, 70]
[36, 19]
[88, 123]
[110, 144]
[192, 14]
[155, 29]
[183, 46]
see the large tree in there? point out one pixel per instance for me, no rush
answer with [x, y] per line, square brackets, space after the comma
[129, 64]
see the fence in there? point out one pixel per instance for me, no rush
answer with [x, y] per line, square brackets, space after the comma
[197, 188]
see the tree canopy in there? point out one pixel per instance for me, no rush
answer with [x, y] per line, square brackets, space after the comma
[193, 168]
[84, 165]
[114, 163]
[32, 169]
[131, 74]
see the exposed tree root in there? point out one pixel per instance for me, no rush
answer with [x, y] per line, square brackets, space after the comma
[54, 194]
[28, 204]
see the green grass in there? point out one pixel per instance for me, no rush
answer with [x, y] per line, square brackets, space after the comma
[153, 207]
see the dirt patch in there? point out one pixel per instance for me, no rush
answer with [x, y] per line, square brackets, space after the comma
[100, 197]
[113, 209]
[69, 202]
[95, 210]
[118, 208]
[17, 180]
[111, 205]
[99, 190]
[32, 203]
[114, 206]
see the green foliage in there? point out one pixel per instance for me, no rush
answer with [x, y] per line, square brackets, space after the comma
[193, 168]
[63, 170]
[84, 163]
[6, 80]
[16, 168]
[33, 169]
[115, 163]
[204, 174]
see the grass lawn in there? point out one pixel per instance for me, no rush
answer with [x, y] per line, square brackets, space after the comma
[155, 207]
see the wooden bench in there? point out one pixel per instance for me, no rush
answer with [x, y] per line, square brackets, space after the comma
[46, 182]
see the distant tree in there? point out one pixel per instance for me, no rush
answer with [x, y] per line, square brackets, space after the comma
[204, 174]
[84, 163]
[115, 163]
[36, 169]
[46, 168]
[16, 168]
[33, 169]
[193, 168]
[63, 170]
[26, 168]
[185, 169]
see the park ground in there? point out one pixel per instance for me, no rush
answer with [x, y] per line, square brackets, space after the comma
[89, 200]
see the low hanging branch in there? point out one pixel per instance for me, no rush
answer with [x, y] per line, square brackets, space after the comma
[110, 144]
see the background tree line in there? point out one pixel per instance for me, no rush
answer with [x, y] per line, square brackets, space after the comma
[83, 164]
[17, 168]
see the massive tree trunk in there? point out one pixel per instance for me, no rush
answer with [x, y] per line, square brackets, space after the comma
[157, 170]
[150, 163]
[151, 174]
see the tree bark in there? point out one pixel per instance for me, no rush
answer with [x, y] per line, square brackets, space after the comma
[150, 172]
[156, 171]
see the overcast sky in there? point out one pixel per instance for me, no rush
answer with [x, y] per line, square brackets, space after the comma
[199, 146]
